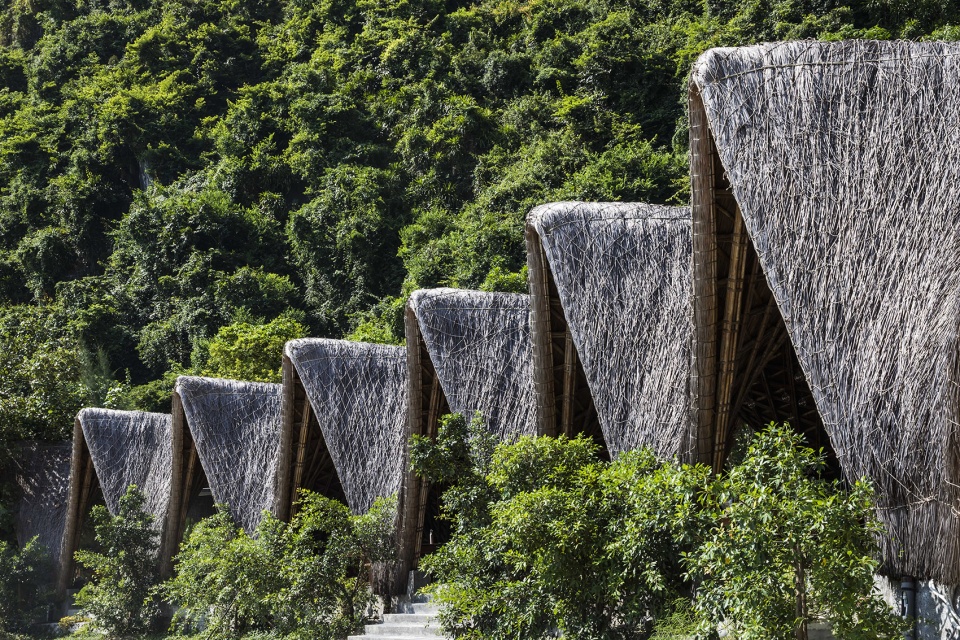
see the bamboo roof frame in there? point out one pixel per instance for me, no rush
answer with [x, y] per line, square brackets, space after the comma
[609, 285]
[132, 448]
[825, 234]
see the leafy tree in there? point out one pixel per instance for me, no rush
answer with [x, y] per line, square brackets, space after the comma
[224, 579]
[308, 578]
[245, 351]
[783, 548]
[25, 588]
[327, 558]
[547, 536]
[121, 598]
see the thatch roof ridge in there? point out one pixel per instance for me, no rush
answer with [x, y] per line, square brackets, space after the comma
[358, 394]
[42, 473]
[553, 215]
[130, 447]
[236, 428]
[622, 272]
[842, 159]
[479, 344]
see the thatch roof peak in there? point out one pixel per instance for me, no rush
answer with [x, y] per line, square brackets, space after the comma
[479, 344]
[130, 447]
[236, 428]
[548, 217]
[610, 284]
[463, 298]
[329, 347]
[357, 396]
[842, 158]
[204, 384]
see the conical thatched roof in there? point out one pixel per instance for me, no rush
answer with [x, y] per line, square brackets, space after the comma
[43, 477]
[620, 275]
[839, 163]
[130, 447]
[236, 429]
[112, 450]
[357, 392]
[479, 345]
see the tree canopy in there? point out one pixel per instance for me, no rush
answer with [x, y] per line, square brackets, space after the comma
[171, 168]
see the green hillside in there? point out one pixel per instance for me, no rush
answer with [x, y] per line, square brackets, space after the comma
[285, 168]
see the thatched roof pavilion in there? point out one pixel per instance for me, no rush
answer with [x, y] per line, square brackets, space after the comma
[609, 287]
[344, 416]
[42, 474]
[112, 450]
[226, 435]
[826, 230]
[467, 352]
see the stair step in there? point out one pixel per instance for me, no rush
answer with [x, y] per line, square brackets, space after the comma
[408, 618]
[385, 637]
[397, 629]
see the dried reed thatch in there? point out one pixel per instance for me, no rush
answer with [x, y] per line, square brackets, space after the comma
[611, 319]
[111, 451]
[833, 167]
[43, 479]
[234, 427]
[355, 394]
[479, 345]
[467, 351]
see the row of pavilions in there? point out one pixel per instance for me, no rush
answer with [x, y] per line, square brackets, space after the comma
[815, 279]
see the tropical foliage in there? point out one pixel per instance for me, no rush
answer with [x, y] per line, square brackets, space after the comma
[305, 579]
[171, 168]
[548, 537]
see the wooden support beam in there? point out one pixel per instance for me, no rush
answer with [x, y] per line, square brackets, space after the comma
[730, 337]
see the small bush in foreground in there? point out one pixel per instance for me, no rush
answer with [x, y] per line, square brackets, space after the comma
[305, 579]
[548, 537]
[120, 598]
[25, 591]
[783, 548]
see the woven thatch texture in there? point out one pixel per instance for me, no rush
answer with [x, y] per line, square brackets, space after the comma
[131, 447]
[358, 395]
[43, 476]
[236, 428]
[843, 160]
[479, 344]
[622, 271]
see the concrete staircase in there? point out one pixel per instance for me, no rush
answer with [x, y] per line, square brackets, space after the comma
[417, 619]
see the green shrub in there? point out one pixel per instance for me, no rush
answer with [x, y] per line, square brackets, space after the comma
[546, 536]
[783, 547]
[120, 598]
[25, 589]
[224, 579]
[305, 579]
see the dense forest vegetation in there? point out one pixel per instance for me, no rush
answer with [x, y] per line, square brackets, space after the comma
[184, 182]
